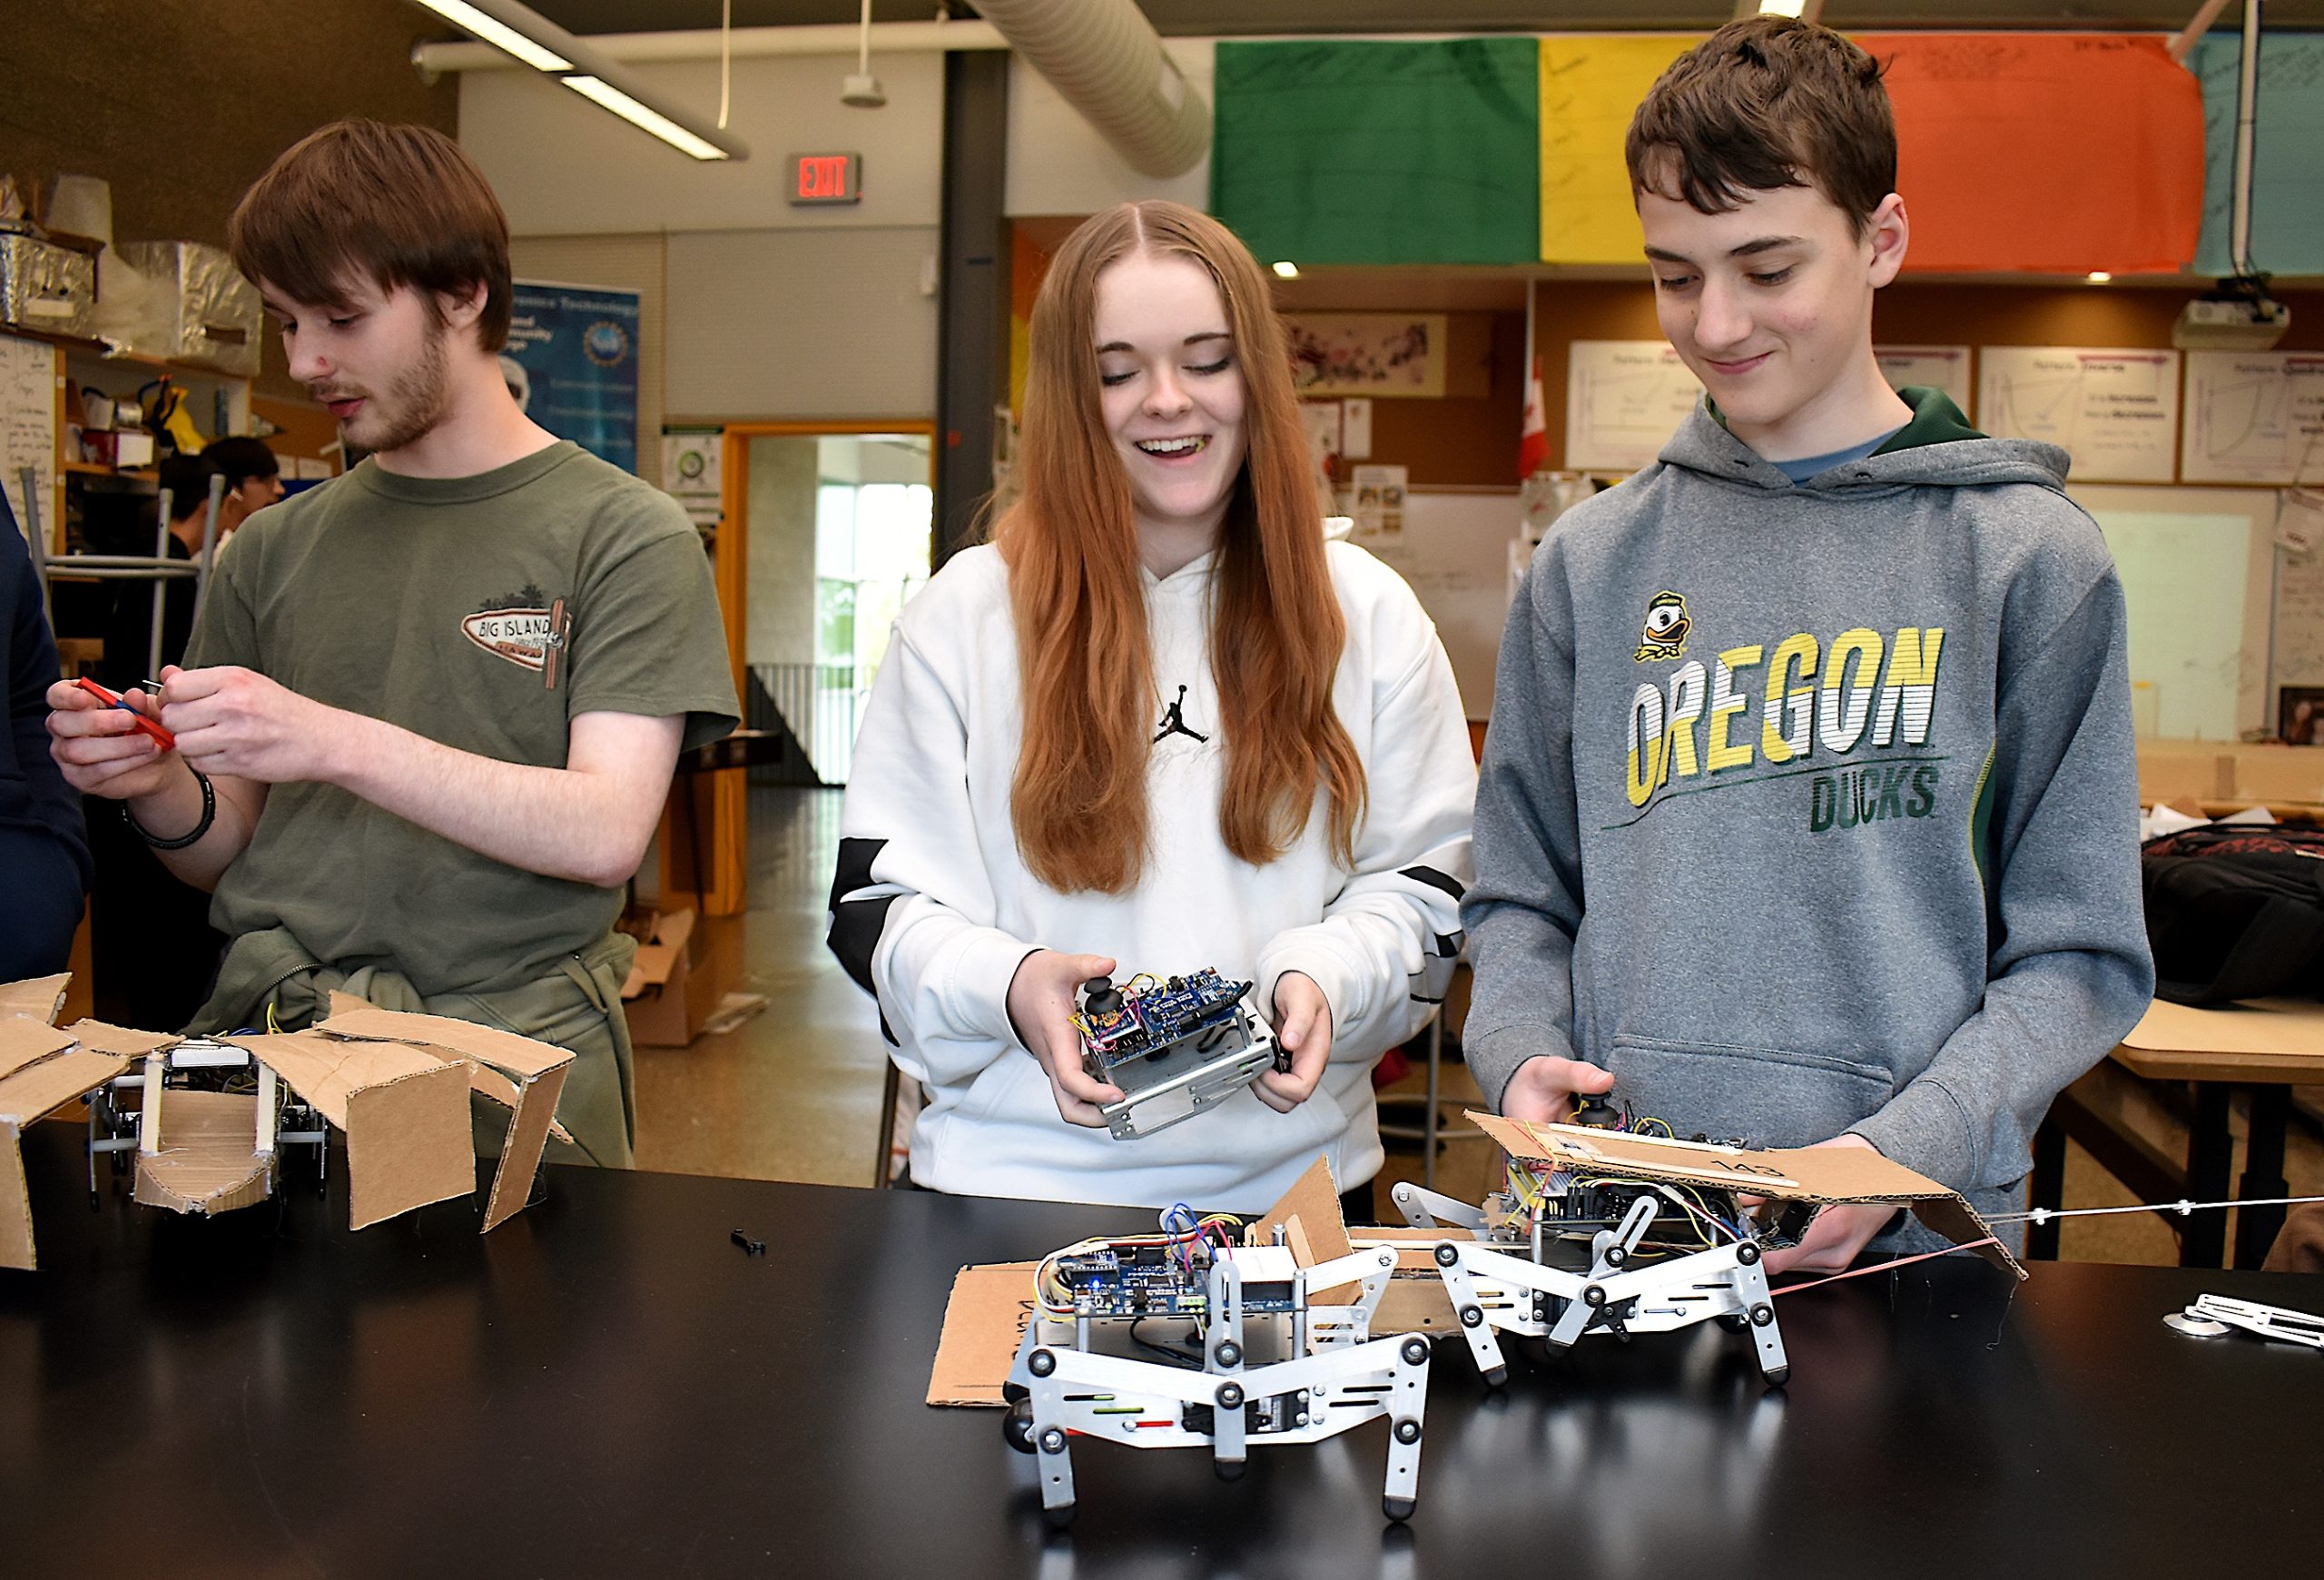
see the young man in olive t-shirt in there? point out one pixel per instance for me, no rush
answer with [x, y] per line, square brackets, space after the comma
[431, 709]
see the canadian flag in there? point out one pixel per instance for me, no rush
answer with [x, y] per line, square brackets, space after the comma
[1533, 443]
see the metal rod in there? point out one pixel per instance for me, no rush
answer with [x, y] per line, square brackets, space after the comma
[209, 560]
[2246, 120]
[161, 593]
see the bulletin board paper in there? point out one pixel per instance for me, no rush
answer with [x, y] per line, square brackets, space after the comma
[28, 426]
[1590, 87]
[2253, 417]
[1945, 367]
[2115, 411]
[1623, 400]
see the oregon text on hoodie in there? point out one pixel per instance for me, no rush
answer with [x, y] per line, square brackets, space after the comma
[933, 910]
[1812, 809]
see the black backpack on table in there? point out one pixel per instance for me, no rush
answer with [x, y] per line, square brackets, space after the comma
[2236, 911]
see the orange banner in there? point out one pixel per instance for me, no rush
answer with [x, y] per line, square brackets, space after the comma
[2062, 153]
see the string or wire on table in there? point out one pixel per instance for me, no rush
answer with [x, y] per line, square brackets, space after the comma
[1887, 1267]
[2044, 1214]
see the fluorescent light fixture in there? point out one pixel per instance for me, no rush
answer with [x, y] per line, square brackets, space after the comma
[1782, 8]
[2099, 277]
[643, 117]
[1286, 270]
[527, 36]
[497, 34]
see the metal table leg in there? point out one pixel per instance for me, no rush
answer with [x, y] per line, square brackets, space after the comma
[2263, 1175]
[2211, 1149]
[2047, 1188]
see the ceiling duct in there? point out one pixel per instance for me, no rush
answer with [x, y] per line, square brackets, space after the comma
[1105, 57]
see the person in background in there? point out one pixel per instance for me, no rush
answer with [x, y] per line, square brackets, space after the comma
[1158, 724]
[433, 707]
[1810, 807]
[253, 480]
[44, 850]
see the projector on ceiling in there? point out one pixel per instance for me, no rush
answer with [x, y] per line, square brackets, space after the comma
[2240, 316]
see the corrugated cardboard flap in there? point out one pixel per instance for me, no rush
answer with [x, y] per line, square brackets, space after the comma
[405, 1112]
[520, 1057]
[38, 998]
[984, 1321]
[1314, 1229]
[658, 957]
[539, 1070]
[24, 1042]
[32, 1090]
[102, 1038]
[208, 1162]
[1818, 1174]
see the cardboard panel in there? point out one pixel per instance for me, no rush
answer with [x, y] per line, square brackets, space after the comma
[327, 1072]
[41, 998]
[984, 1321]
[24, 1042]
[1312, 1205]
[503, 1051]
[109, 1039]
[520, 1149]
[208, 1162]
[15, 1201]
[52, 1083]
[407, 1141]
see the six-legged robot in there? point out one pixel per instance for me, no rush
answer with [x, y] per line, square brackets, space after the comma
[1508, 1284]
[1276, 1366]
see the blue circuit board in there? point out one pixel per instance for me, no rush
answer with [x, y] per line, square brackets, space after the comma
[1159, 1016]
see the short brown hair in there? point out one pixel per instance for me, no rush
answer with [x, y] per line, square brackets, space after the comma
[1764, 103]
[403, 205]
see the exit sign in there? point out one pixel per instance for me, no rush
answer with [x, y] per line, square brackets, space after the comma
[826, 178]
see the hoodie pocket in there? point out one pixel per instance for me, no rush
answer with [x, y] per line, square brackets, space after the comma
[1770, 1097]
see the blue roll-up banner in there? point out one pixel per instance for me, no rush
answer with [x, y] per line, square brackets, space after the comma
[572, 363]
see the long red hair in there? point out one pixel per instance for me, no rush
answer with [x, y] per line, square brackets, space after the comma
[1070, 539]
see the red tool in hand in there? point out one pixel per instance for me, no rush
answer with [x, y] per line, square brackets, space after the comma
[114, 700]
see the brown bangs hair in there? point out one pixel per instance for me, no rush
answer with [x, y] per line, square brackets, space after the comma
[1764, 103]
[404, 205]
[1070, 539]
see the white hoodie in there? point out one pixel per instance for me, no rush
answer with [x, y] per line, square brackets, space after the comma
[932, 908]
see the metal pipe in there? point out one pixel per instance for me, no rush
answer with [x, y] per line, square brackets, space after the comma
[1106, 59]
[2246, 120]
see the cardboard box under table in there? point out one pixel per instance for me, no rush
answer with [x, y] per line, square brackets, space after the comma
[671, 987]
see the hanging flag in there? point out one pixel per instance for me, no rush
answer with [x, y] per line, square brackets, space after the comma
[1533, 444]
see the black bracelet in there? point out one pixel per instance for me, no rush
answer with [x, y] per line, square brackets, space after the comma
[209, 815]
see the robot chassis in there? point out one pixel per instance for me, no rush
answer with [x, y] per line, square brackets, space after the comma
[118, 1130]
[1507, 1285]
[1330, 1373]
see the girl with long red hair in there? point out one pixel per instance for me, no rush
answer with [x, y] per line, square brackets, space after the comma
[1159, 723]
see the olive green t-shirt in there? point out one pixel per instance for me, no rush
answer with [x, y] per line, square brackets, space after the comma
[483, 613]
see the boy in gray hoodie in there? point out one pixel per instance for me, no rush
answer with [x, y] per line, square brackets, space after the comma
[1808, 812]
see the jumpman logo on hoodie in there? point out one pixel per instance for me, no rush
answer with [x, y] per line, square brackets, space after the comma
[1174, 721]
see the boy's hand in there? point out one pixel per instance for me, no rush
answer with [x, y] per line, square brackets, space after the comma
[1836, 1235]
[240, 723]
[100, 750]
[1543, 1089]
[1041, 1006]
[1303, 1019]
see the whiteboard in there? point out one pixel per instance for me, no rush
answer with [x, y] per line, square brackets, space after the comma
[29, 425]
[1454, 552]
[2198, 569]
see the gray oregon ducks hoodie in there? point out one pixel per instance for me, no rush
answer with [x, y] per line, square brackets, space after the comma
[1812, 809]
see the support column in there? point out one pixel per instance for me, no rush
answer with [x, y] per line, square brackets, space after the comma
[972, 308]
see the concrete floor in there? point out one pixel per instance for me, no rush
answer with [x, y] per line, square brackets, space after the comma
[794, 1094]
